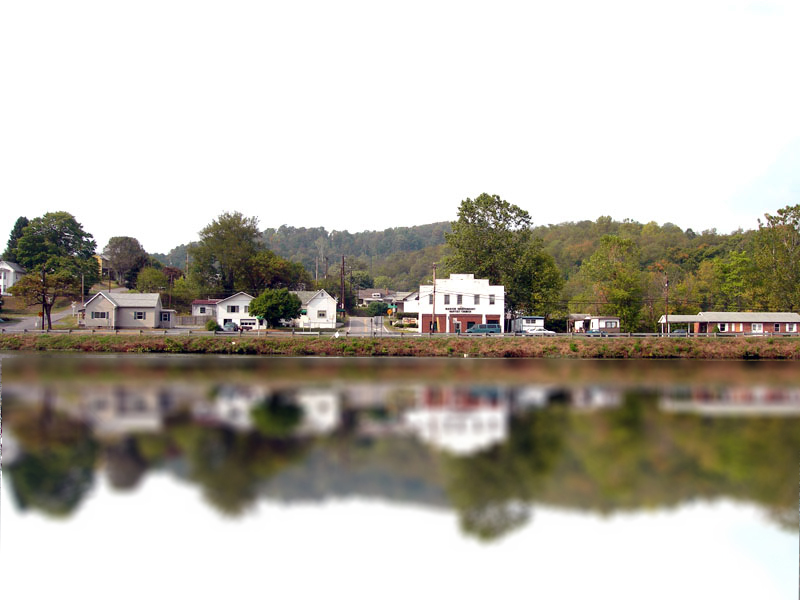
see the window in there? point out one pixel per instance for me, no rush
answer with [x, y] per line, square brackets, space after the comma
[246, 308]
[459, 299]
[611, 324]
[99, 315]
[321, 314]
[430, 299]
[777, 327]
[757, 327]
[233, 308]
[138, 315]
[477, 299]
[202, 310]
[723, 327]
[165, 317]
[791, 327]
[447, 298]
[491, 298]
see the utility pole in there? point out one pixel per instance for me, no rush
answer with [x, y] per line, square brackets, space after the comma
[44, 296]
[666, 301]
[433, 316]
[342, 275]
[316, 268]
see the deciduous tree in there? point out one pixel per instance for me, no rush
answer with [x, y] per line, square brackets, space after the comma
[274, 305]
[126, 256]
[492, 239]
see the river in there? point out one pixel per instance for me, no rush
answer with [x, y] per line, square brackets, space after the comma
[133, 476]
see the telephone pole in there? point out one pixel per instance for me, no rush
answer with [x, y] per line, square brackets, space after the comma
[666, 301]
[433, 316]
[342, 275]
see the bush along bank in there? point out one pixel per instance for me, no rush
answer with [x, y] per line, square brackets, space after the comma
[705, 348]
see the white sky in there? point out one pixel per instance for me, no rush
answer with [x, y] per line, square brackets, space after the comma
[150, 118]
[163, 538]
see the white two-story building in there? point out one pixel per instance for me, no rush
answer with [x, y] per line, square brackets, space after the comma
[460, 302]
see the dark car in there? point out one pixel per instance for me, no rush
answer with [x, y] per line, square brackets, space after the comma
[596, 333]
[484, 329]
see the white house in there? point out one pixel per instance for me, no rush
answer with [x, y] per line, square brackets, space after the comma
[10, 273]
[205, 308]
[317, 310]
[236, 309]
[461, 301]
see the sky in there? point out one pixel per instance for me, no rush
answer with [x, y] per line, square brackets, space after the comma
[151, 118]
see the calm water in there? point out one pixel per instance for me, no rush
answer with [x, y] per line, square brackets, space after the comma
[126, 476]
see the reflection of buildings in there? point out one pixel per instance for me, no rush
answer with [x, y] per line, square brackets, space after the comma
[460, 420]
[233, 405]
[593, 398]
[321, 411]
[113, 410]
[734, 401]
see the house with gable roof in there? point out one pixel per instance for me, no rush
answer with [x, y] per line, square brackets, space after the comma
[127, 311]
[10, 273]
[317, 310]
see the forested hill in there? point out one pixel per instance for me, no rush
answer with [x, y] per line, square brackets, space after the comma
[570, 244]
[311, 246]
[401, 257]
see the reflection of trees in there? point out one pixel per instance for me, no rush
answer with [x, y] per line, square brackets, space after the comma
[277, 416]
[492, 490]
[229, 465]
[57, 466]
[124, 465]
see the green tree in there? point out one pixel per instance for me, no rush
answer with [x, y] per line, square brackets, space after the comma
[43, 289]
[273, 305]
[492, 239]
[126, 256]
[151, 280]
[612, 282]
[777, 258]
[376, 309]
[56, 244]
[10, 253]
[225, 251]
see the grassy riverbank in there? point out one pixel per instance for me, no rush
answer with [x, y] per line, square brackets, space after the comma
[562, 347]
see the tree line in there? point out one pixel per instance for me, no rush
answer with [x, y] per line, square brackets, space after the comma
[622, 268]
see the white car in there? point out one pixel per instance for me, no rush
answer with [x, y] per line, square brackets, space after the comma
[539, 331]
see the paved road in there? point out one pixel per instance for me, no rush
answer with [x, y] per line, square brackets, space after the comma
[33, 323]
[366, 326]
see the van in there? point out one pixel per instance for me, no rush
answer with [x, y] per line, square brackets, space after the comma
[484, 329]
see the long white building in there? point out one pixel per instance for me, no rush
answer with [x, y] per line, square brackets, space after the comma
[461, 301]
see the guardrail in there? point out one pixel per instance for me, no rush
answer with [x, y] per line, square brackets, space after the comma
[385, 334]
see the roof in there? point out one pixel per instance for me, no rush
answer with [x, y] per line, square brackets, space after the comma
[13, 266]
[306, 297]
[234, 296]
[735, 317]
[209, 301]
[132, 300]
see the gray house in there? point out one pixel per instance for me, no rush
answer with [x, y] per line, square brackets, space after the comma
[127, 311]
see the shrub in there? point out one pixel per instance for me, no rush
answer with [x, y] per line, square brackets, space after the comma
[212, 325]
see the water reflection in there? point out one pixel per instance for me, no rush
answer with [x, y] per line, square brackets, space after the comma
[489, 444]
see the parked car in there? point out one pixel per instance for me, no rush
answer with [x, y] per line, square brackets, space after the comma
[484, 329]
[539, 331]
[596, 333]
[230, 327]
